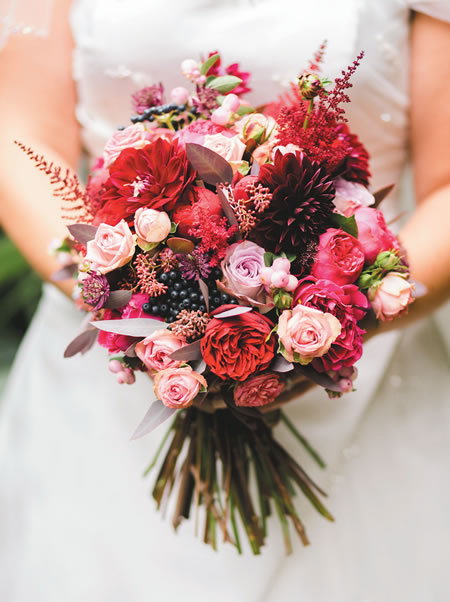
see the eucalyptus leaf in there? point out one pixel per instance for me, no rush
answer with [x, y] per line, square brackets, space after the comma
[381, 194]
[348, 224]
[118, 299]
[132, 327]
[234, 311]
[211, 167]
[319, 378]
[224, 83]
[226, 208]
[188, 352]
[83, 233]
[155, 415]
[180, 245]
[64, 273]
[255, 169]
[81, 343]
[280, 364]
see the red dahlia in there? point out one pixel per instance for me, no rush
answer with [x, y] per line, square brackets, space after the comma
[154, 177]
[301, 205]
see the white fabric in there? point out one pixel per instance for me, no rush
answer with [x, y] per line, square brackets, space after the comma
[77, 523]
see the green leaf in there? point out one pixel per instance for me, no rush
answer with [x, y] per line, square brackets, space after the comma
[224, 83]
[348, 224]
[173, 228]
[244, 110]
[244, 168]
[268, 259]
[206, 66]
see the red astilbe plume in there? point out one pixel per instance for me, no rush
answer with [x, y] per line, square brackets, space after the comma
[67, 186]
[213, 234]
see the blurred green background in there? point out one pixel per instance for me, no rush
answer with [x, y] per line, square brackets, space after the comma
[20, 290]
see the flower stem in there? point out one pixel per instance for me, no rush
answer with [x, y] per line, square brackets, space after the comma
[310, 108]
[312, 452]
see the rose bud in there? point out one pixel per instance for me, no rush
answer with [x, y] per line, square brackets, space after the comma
[221, 116]
[151, 226]
[391, 298]
[309, 85]
[387, 260]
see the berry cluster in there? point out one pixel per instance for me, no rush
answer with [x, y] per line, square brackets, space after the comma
[184, 294]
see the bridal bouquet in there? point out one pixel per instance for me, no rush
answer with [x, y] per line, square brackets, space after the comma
[230, 255]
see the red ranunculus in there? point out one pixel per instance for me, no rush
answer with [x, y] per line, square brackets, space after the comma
[373, 234]
[236, 347]
[348, 304]
[339, 257]
[154, 177]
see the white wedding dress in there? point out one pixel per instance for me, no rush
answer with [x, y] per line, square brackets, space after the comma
[77, 523]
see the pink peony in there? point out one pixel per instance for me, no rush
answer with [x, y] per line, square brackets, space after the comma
[112, 247]
[350, 196]
[133, 136]
[197, 130]
[177, 387]
[373, 234]
[339, 258]
[241, 267]
[151, 226]
[306, 333]
[391, 298]
[155, 350]
[258, 390]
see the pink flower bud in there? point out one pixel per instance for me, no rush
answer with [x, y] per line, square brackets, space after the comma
[346, 385]
[265, 275]
[280, 279]
[200, 79]
[292, 283]
[221, 116]
[115, 366]
[231, 103]
[121, 377]
[130, 378]
[179, 95]
[282, 264]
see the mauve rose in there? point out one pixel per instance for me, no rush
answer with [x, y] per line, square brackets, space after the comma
[112, 247]
[306, 333]
[133, 136]
[373, 234]
[197, 130]
[241, 269]
[155, 350]
[151, 226]
[350, 196]
[177, 387]
[348, 304]
[339, 257]
[258, 390]
[391, 298]
[230, 148]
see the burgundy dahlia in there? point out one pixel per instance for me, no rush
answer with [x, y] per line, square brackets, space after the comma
[301, 205]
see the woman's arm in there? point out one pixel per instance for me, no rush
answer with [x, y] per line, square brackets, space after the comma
[426, 234]
[37, 107]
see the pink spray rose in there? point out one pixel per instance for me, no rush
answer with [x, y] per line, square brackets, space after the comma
[112, 247]
[177, 387]
[151, 226]
[391, 298]
[133, 136]
[241, 267]
[155, 350]
[348, 304]
[258, 390]
[373, 234]
[350, 196]
[340, 257]
[306, 333]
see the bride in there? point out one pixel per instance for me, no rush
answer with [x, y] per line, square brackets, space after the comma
[76, 520]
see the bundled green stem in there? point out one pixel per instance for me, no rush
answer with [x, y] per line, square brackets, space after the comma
[229, 463]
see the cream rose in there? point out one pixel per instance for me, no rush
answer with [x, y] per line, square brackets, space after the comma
[390, 299]
[151, 226]
[112, 247]
[155, 350]
[133, 136]
[177, 387]
[306, 333]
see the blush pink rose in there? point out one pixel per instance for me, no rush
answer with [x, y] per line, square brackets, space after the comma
[133, 136]
[391, 298]
[350, 196]
[230, 149]
[151, 226]
[339, 258]
[112, 247]
[373, 234]
[306, 333]
[177, 387]
[258, 390]
[155, 350]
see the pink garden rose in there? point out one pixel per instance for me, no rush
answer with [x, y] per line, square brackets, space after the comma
[177, 387]
[391, 298]
[155, 350]
[258, 127]
[230, 148]
[197, 130]
[306, 333]
[339, 258]
[112, 247]
[373, 234]
[241, 267]
[350, 196]
[133, 136]
[151, 226]
[258, 390]
[348, 304]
